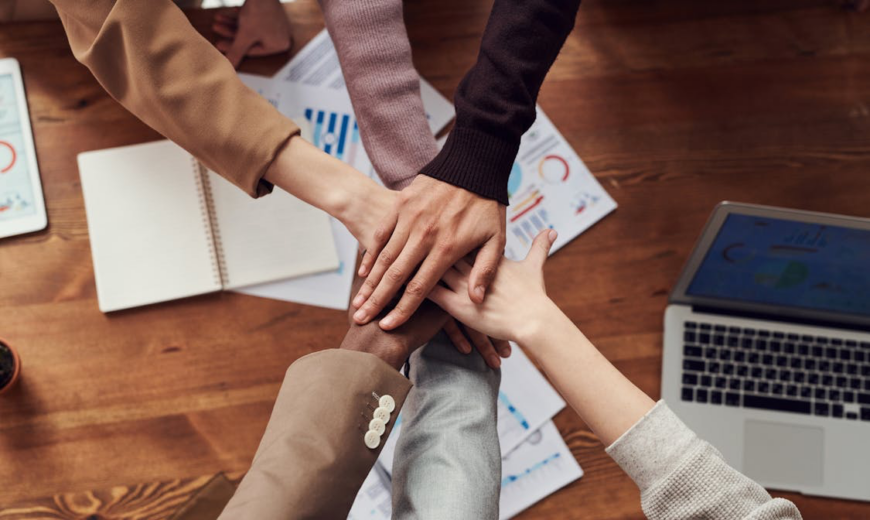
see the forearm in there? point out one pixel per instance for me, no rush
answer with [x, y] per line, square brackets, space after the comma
[318, 179]
[151, 60]
[375, 55]
[604, 398]
[679, 475]
[312, 458]
[495, 102]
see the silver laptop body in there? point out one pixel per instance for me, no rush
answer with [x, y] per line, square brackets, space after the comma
[767, 349]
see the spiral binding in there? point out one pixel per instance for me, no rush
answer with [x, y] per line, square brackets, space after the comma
[210, 222]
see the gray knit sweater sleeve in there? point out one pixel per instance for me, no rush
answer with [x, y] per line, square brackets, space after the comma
[682, 476]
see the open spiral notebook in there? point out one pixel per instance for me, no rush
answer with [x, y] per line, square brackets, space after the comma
[163, 227]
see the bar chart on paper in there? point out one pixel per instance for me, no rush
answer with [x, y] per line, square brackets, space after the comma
[338, 135]
[549, 187]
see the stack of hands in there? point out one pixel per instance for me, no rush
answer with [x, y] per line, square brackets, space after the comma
[423, 232]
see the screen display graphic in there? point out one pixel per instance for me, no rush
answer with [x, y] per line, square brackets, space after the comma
[789, 264]
[16, 192]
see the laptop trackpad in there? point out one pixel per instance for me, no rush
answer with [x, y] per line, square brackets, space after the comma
[783, 453]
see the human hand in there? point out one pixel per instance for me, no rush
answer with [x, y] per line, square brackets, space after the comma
[394, 346]
[363, 212]
[432, 225]
[258, 28]
[517, 302]
[462, 337]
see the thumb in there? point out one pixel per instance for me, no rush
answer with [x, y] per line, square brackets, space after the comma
[484, 269]
[239, 48]
[541, 248]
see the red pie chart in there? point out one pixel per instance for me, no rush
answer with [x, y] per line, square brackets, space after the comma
[13, 156]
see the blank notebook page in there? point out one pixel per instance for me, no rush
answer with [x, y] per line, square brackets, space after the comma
[149, 236]
[270, 238]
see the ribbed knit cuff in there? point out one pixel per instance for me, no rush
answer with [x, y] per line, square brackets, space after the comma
[476, 161]
[656, 445]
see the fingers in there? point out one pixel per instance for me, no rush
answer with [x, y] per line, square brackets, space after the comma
[383, 261]
[449, 301]
[379, 241]
[485, 267]
[239, 48]
[386, 281]
[455, 280]
[502, 347]
[463, 266]
[416, 290]
[457, 337]
[541, 248]
[485, 347]
[227, 31]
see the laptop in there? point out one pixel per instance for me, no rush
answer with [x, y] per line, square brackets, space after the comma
[767, 347]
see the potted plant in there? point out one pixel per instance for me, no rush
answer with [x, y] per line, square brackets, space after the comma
[10, 366]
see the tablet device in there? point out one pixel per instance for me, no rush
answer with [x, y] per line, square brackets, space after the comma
[22, 208]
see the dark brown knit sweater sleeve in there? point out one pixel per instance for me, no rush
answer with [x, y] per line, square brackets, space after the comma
[495, 101]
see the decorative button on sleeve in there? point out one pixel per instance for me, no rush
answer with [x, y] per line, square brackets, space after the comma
[382, 414]
[377, 425]
[387, 402]
[372, 439]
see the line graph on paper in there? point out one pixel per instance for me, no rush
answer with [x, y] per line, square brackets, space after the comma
[536, 470]
[512, 422]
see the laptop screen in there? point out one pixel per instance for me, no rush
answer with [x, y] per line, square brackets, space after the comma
[787, 263]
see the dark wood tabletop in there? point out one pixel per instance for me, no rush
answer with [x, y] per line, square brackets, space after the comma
[673, 105]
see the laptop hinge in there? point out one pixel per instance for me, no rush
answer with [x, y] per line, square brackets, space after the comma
[703, 309]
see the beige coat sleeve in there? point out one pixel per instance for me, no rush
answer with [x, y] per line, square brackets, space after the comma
[151, 60]
[313, 459]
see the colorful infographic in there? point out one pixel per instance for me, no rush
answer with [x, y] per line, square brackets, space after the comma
[16, 193]
[334, 133]
[550, 188]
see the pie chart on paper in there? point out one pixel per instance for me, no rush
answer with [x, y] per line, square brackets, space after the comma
[7, 156]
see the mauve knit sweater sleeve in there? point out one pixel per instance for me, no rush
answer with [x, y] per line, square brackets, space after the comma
[495, 102]
[375, 56]
[683, 476]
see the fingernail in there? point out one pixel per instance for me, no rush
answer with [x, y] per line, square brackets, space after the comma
[552, 235]
[359, 300]
[388, 321]
[494, 361]
[479, 291]
[466, 348]
[506, 352]
[360, 315]
[362, 270]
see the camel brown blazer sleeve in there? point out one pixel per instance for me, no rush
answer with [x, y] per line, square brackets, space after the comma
[151, 60]
[313, 459]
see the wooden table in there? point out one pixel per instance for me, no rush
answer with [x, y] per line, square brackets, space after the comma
[673, 105]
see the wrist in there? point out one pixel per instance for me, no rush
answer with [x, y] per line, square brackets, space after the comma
[532, 332]
[371, 340]
[312, 176]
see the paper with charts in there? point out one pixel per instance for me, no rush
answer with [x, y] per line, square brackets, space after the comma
[550, 187]
[535, 460]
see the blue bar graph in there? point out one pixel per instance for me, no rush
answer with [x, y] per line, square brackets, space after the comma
[334, 133]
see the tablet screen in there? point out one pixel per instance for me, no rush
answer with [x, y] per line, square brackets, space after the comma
[788, 264]
[16, 190]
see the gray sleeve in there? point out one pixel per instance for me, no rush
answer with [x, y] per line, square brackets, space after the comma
[683, 476]
[448, 459]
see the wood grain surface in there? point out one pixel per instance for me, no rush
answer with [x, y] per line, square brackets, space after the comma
[674, 105]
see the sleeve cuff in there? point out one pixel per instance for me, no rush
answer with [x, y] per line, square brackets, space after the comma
[475, 161]
[654, 447]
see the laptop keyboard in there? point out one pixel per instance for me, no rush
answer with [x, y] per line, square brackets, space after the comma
[770, 370]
